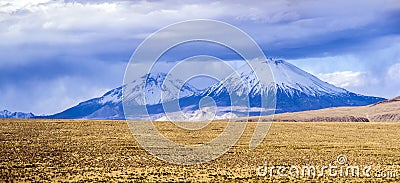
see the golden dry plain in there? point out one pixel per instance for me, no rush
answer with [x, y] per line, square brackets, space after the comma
[93, 151]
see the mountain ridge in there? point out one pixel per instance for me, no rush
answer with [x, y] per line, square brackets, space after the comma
[296, 90]
[9, 114]
[109, 106]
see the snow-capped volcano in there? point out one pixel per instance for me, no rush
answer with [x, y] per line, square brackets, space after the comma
[295, 89]
[109, 106]
[286, 77]
[283, 84]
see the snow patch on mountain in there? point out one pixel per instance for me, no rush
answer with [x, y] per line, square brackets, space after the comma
[9, 114]
[157, 88]
[289, 77]
[203, 114]
[150, 89]
[113, 96]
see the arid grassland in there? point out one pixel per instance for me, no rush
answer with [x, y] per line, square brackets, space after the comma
[62, 150]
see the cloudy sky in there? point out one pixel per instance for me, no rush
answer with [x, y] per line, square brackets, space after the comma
[55, 54]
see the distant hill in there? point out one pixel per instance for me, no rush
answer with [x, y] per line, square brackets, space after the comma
[9, 114]
[384, 111]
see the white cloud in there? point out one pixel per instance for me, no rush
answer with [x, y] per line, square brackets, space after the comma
[394, 72]
[26, 21]
[376, 72]
[344, 79]
[10, 6]
[392, 79]
[35, 21]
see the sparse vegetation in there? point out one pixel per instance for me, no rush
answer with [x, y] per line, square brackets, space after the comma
[77, 150]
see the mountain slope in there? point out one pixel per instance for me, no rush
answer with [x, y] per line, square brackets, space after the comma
[296, 90]
[109, 106]
[385, 111]
[106, 107]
